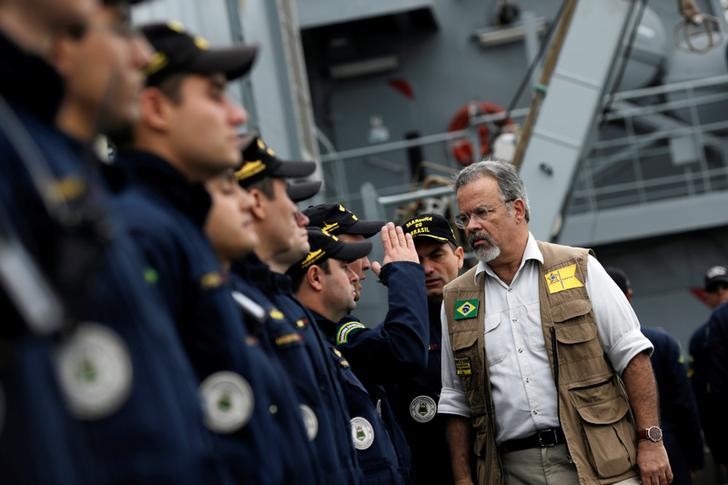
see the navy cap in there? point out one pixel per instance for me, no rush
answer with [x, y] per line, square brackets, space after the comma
[714, 276]
[325, 246]
[300, 191]
[430, 226]
[337, 219]
[180, 52]
[260, 161]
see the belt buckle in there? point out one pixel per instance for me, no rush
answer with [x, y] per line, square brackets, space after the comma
[548, 443]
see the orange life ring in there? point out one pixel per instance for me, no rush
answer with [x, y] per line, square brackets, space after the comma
[462, 149]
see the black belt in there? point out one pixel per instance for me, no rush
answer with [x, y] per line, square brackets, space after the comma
[545, 438]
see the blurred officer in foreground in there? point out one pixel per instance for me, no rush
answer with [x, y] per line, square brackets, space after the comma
[35, 427]
[187, 134]
[326, 285]
[119, 362]
[395, 350]
[678, 411]
[716, 292]
[415, 399]
[287, 331]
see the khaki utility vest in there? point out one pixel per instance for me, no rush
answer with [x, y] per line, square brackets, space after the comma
[593, 405]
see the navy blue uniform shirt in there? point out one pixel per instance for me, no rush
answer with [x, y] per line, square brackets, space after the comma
[376, 451]
[131, 413]
[165, 215]
[698, 373]
[393, 351]
[415, 406]
[717, 376]
[303, 361]
[678, 411]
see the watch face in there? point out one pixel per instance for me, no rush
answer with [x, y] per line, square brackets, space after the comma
[654, 433]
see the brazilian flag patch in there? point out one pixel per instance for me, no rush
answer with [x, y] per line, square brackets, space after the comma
[466, 309]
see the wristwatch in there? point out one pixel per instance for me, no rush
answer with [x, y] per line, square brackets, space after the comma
[653, 433]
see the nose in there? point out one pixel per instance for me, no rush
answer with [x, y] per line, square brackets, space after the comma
[142, 51]
[472, 225]
[353, 277]
[426, 266]
[245, 198]
[302, 219]
[366, 264]
[237, 115]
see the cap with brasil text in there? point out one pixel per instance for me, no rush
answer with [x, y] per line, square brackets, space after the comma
[325, 246]
[431, 226]
[177, 51]
[260, 161]
[714, 276]
[337, 219]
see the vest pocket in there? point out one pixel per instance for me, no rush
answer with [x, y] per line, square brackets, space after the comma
[570, 309]
[605, 419]
[469, 367]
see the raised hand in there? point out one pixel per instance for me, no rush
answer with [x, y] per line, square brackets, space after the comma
[397, 246]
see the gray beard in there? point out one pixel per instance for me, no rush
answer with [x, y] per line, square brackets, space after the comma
[486, 255]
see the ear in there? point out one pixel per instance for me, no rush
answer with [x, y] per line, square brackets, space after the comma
[258, 209]
[519, 209]
[155, 109]
[314, 278]
[460, 254]
[62, 56]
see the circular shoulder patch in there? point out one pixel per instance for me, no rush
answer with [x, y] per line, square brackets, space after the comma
[95, 371]
[362, 433]
[423, 409]
[227, 401]
[310, 421]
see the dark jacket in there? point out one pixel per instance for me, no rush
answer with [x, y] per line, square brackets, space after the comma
[678, 410]
[393, 351]
[166, 215]
[376, 450]
[329, 377]
[151, 432]
[415, 405]
[287, 333]
[717, 377]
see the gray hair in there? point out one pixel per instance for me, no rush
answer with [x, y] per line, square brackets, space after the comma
[510, 183]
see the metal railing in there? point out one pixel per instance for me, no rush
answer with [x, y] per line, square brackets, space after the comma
[657, 143]
[654, 144]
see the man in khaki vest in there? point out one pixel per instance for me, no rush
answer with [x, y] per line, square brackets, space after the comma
[567, 395]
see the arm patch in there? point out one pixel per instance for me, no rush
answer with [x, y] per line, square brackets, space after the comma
[342, 336]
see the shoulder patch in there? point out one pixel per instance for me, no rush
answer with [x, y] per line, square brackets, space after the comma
[287, 339]
[211, 280]
[563, 279]
[151, 276]
[342, 336]
[465, 309]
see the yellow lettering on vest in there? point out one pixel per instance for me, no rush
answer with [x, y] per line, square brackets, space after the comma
[563, 279]
[462, 367]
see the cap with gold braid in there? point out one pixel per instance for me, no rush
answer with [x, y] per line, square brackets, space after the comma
[180, 52]
[337, 219]
[260, 161]
[325, 246]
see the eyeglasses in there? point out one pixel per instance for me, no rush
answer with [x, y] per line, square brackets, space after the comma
[479, 213]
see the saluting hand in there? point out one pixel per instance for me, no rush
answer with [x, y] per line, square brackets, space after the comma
[397, 245]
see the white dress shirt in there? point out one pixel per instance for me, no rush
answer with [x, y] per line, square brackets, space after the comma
[523, 388]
